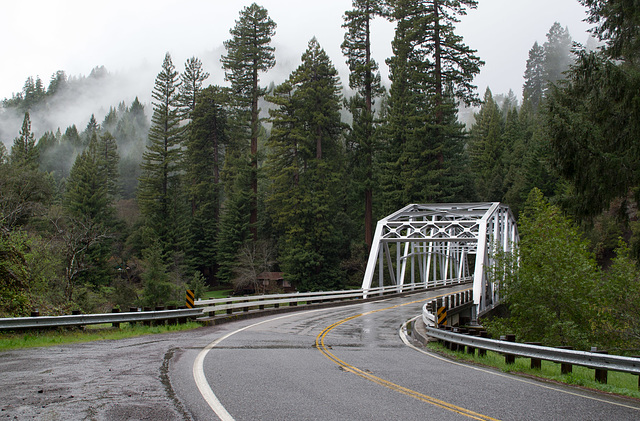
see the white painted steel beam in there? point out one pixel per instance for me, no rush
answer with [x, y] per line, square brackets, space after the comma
[443, 237]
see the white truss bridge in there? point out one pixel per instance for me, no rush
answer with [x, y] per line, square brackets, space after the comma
[423, 246]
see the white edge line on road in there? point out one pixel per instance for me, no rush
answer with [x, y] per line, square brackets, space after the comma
[405, 339]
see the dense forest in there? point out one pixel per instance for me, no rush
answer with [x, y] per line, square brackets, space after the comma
[211, 185]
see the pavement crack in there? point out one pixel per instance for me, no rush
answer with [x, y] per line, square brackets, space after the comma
[166, 382]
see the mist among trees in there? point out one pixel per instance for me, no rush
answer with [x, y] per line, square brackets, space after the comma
[216, 184]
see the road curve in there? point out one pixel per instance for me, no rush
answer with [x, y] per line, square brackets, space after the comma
[351, 363]
[346, 363]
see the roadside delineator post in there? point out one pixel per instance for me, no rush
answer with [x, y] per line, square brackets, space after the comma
[442, 316]
[190, 299]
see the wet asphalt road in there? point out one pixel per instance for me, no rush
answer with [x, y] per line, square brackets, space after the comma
[274, 370]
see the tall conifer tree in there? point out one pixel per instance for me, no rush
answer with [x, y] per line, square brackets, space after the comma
[203, 157]
[557, 54]
[534, 78]
[159, 187]
[306, 169]
[24, 151]
[248, 53]
[107, 150]
[487, 150]
[191, 84]
[364, 78]
[431, 72]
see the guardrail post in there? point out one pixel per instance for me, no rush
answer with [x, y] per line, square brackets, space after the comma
[601, 374]
[565, 368]
[229, 310]
[482, 352]
[453, 345]
[261, 306]
[637, 356]
[536, 363]
[133, 310]
[147, 322]
[35, 313]
[245, 309]
[174, 321]
[470, 349]
[159, 322]
[509, 358]
[115, 310]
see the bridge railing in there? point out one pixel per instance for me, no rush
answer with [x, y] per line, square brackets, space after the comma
[213, 306]
[230, 304]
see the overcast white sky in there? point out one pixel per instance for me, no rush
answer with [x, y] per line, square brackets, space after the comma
[43, 36]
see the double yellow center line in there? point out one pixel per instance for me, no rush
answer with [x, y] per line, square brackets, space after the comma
[320, 344]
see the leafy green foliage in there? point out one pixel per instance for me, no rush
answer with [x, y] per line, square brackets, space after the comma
[191, 84]
[14, 274]
[619, 302]
[234, 221]
[549, 286]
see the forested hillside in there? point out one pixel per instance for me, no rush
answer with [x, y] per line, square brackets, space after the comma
[212, 185]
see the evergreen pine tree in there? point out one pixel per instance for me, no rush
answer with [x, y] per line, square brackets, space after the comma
[234, 221]
[91, 129]
[557, 54]
[248, 53]
[364, 78]
[86, 193]
[110, 121]
[487, 150]
[108, 160]
[306, 170]
[534, 77]
[159, 190]
[24, 151]
[89, 206]
[203, 157]
[191, 84]
[431, 71]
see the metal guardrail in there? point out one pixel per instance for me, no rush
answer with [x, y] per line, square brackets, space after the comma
[564, 356]
[211, 306]
[234, 303]
[595, 360]
[87, 319]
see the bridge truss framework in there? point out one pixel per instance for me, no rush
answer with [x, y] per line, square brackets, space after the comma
[435, 244]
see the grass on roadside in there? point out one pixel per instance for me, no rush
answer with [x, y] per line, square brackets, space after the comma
[41, 338]
[217, 293]
[617, 383]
